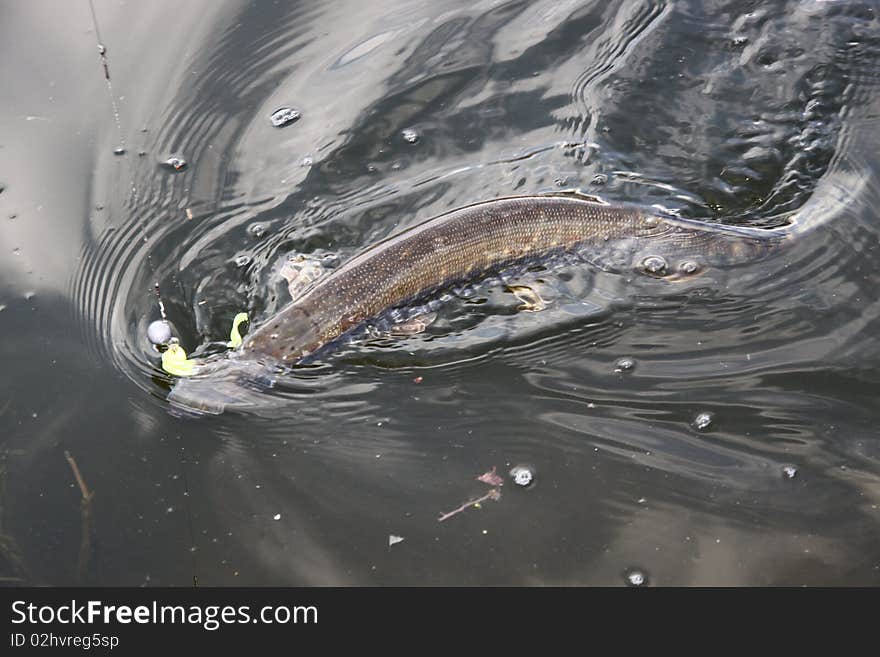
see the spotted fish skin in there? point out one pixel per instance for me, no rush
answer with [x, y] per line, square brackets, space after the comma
[478, 239]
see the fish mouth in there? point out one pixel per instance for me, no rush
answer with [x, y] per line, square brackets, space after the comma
[222, 384]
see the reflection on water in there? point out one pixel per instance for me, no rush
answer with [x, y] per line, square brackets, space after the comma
[323, 127]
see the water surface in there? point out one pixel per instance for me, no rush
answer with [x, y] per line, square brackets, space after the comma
[740, 448]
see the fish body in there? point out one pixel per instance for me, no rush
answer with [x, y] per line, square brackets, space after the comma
[460, 246]
[479, 239]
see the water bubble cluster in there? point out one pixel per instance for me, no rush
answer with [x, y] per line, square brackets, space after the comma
[624, 364]
[522, 475]
[702, 421]
[284, 116]
[636, 577]
[175, 162]
[654, 265]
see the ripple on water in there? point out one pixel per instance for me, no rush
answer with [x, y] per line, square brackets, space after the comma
[734, 341]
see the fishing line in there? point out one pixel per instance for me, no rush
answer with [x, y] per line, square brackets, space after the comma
[102, 51]
[120, 150]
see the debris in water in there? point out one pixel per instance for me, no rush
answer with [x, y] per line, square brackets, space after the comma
[277, 516]
[491, 478]
[418, 379]
[493, 494]
[86, 497]
[392, 539]
[410, 136]
[789, 471]
[189, 214]
[119, 150]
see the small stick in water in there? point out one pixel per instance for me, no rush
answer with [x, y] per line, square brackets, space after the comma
[493, 494]
[86, 512]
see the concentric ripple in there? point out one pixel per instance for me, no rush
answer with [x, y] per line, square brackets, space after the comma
[709, 111]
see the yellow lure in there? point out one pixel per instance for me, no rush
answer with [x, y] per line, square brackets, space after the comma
[174, 360]
[234, 335]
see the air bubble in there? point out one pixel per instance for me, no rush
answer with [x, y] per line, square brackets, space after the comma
[703, 421]
[654, 265]
[625, 364]
[522, 475]
[175, 162]
[284, 116]
[410, 136]
[636, 577]
[688, 267]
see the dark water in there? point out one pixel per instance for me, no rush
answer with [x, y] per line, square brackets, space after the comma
[746, 113]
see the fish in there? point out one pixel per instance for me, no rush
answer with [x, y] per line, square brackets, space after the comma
[484, 238]
[473, 242]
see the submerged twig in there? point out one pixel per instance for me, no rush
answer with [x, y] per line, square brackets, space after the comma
[86, 513]
[493, 494]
